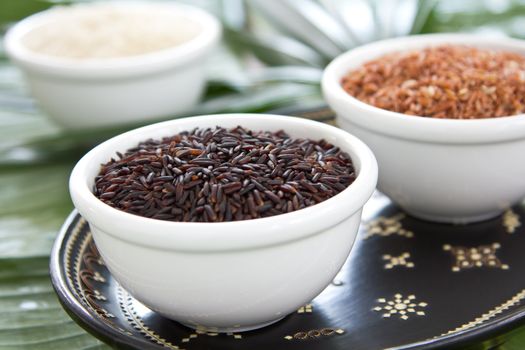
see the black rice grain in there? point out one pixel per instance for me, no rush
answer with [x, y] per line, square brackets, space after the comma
[214, 175]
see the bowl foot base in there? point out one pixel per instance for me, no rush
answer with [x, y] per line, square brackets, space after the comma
[230, 329]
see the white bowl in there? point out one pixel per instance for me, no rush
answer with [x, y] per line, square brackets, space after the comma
[99, 92]
[443, 170]
[227, 276]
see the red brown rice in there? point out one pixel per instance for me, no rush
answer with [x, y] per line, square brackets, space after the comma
[456, 82]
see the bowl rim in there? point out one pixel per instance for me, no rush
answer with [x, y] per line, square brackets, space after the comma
[186, 52]
[436, 130]
[190, 236]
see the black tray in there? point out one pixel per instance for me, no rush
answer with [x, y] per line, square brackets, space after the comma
[408, 284]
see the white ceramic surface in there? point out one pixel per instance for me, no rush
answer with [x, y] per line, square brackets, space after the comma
[443, 170]
[230, 276]
[100, 92]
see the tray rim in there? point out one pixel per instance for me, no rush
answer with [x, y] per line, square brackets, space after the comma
[72, 305]
[464, 338]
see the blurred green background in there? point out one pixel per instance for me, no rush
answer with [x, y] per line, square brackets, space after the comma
[266, 62]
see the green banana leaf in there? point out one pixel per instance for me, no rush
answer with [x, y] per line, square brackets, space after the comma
[31, 315]
[503, 17]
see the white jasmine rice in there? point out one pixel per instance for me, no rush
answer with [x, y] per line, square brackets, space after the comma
[102, 30]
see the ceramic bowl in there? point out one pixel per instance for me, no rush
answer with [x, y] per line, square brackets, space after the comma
[442, 170]
[228, 276]
[99, 92]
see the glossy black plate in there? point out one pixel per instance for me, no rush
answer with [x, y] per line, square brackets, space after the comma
[408, 284]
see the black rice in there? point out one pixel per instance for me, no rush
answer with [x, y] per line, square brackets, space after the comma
[218, 174]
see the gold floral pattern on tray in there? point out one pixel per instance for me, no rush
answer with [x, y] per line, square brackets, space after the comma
[81, 279]
[126, 304]
[199, 331]
[401, 306]
[387, 226]
[402, 260]
[315, 334]
[490, 314]
[306, 309]
[511, 221]
[471, 257]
